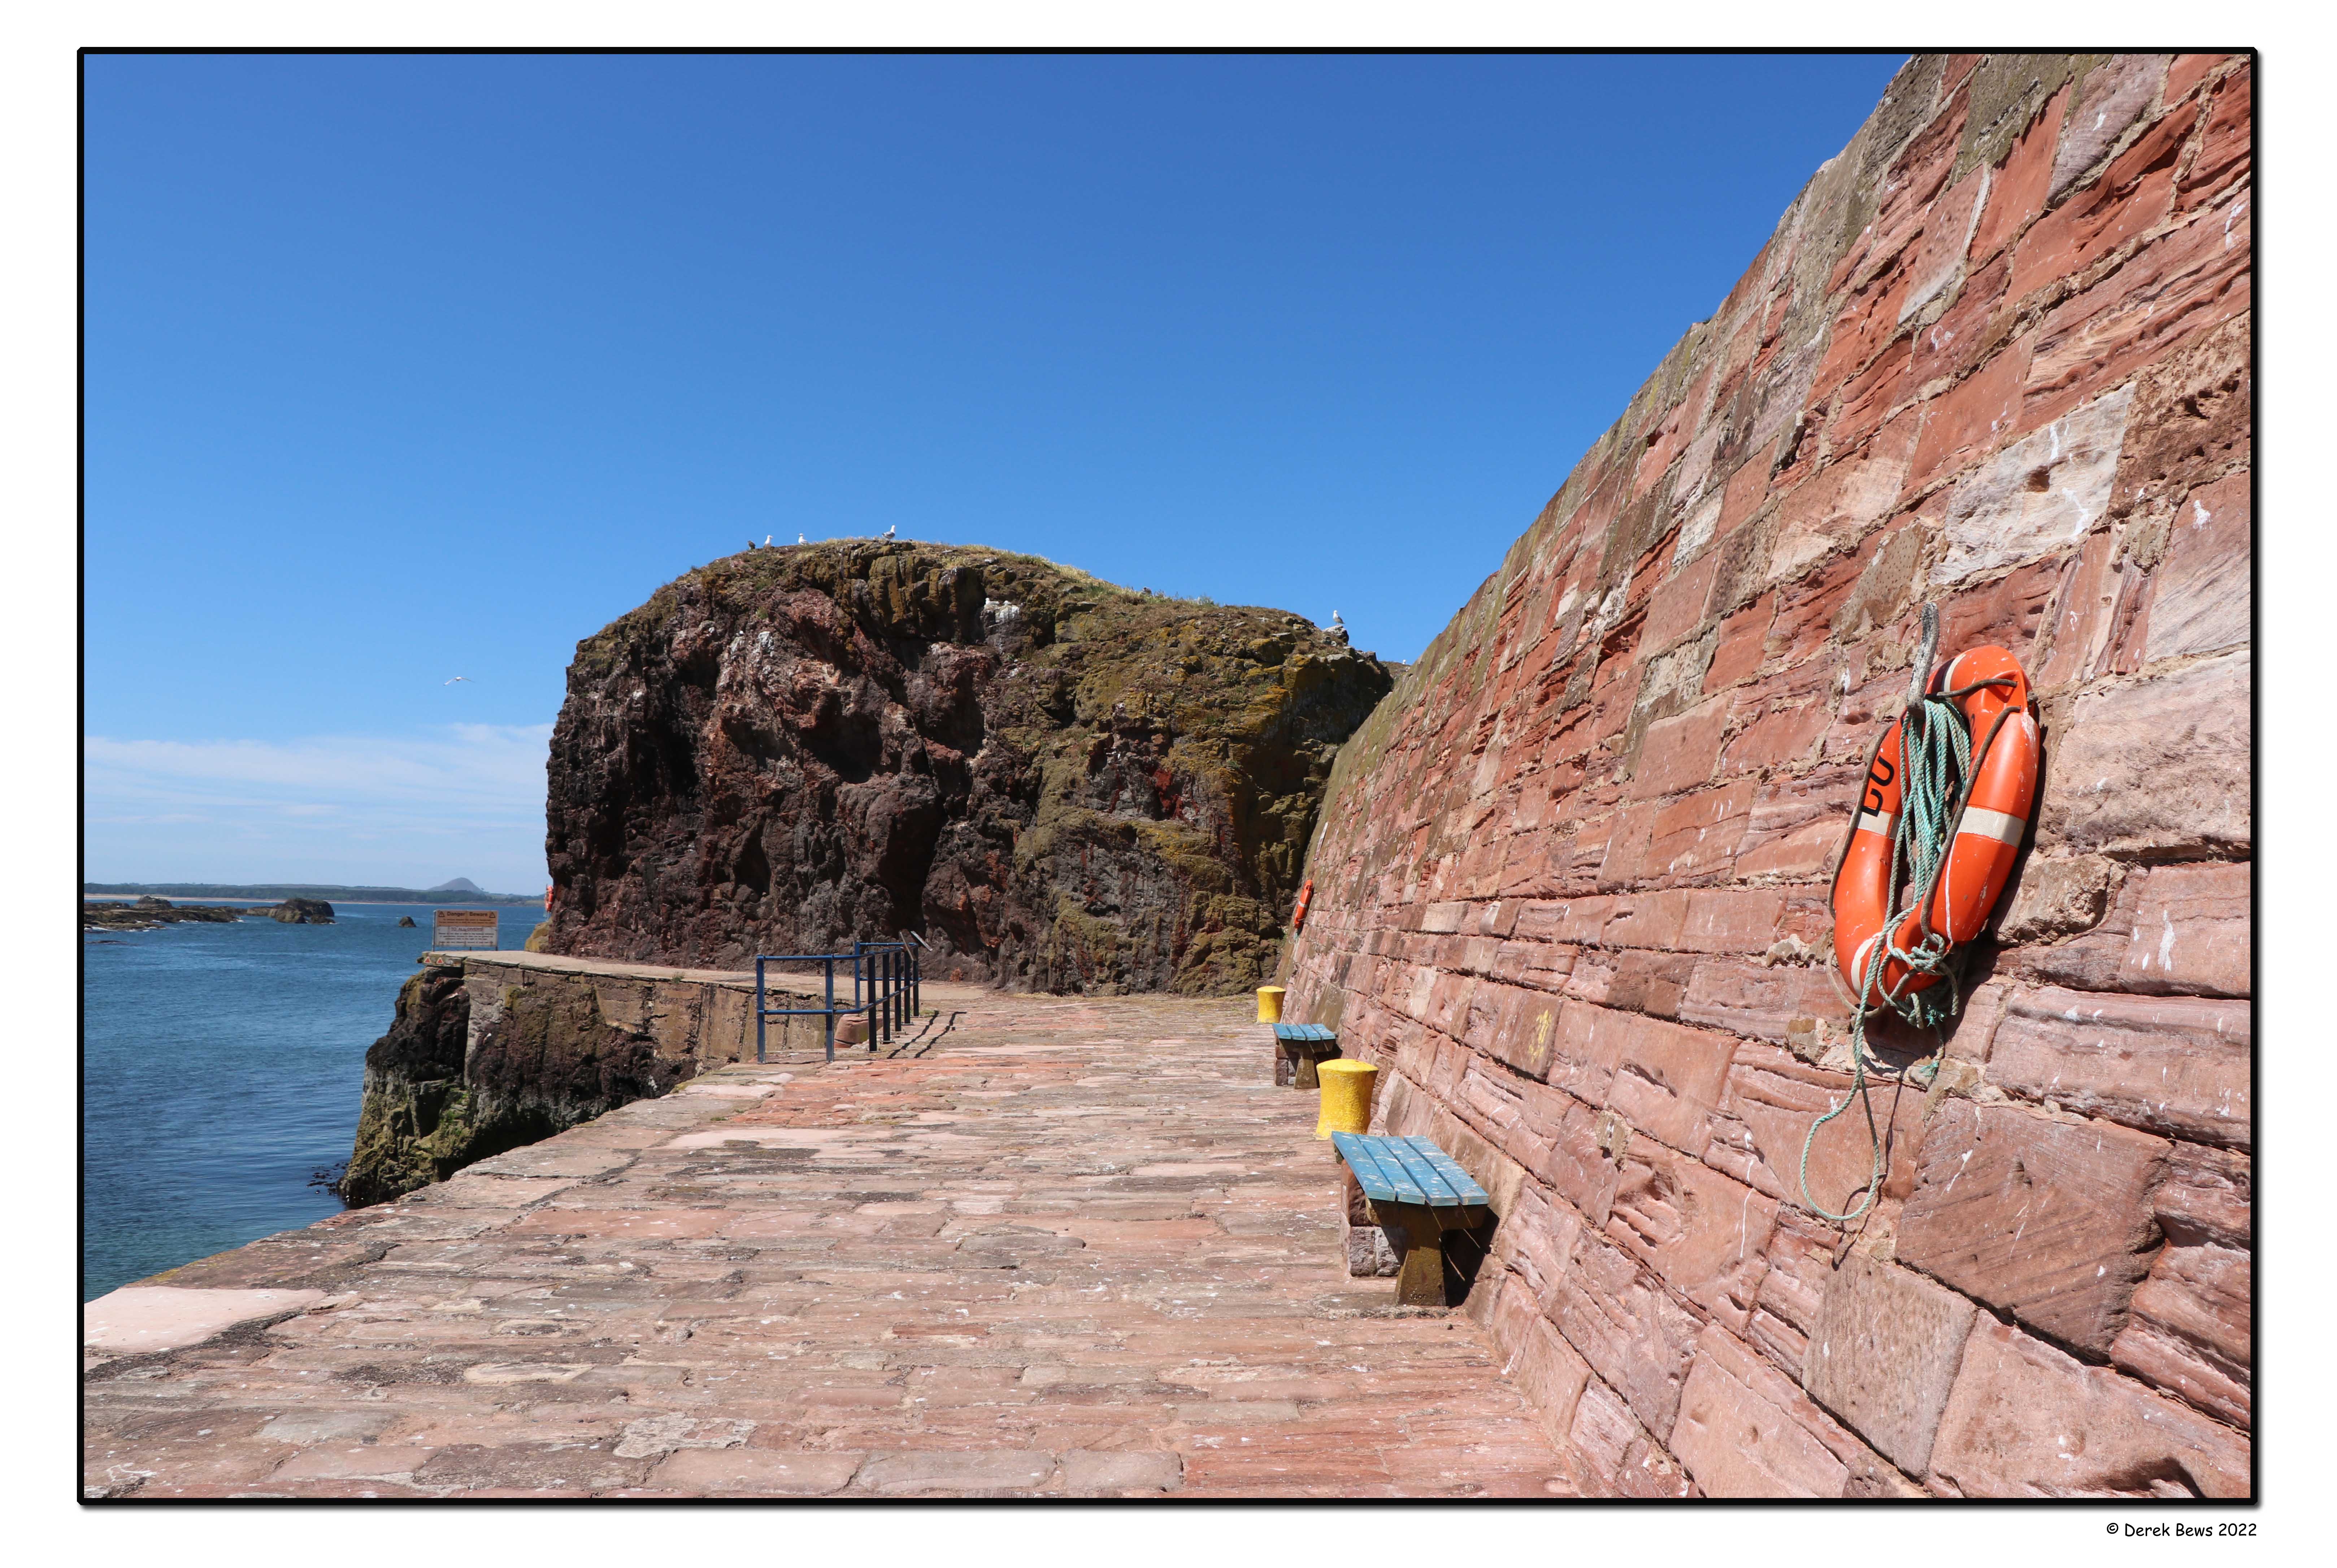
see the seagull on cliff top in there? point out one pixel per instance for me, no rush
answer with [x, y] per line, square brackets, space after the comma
[767, 539]
[801, 539]
[888, 534]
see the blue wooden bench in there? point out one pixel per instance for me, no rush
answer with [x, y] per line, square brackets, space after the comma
[1297, 1047]
[1417, 1189]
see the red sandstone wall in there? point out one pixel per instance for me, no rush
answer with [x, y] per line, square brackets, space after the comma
[1571, 878]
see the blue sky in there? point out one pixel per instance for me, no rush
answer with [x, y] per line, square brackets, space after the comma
[404, 369]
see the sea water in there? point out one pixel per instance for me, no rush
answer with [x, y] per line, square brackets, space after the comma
[221, 1071]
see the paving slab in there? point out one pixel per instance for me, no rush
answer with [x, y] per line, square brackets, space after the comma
[138, 1320]
[1054, 1248]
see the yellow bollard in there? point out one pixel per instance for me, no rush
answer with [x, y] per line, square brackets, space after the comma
[1346, 1096]
[1269, 1004]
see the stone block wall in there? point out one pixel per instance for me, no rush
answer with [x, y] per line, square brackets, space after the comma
[1571, 877]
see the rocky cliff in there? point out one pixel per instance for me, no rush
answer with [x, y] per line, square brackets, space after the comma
[418, 1124]
[1060, 783]
[1572, 877]
[489, 1051]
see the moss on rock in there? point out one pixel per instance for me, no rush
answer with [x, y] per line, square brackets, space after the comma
[460, 1078]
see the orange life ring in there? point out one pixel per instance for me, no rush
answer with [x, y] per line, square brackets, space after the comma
[1299, 915]
[1993, 695]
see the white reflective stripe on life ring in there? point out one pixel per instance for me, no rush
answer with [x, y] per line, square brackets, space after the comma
[1876, 823]
[1982, 823]
[1859, 961]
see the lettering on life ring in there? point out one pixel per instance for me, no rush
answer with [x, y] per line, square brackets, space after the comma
[1988, 835]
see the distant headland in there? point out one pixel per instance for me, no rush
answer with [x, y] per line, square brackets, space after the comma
[461, 890]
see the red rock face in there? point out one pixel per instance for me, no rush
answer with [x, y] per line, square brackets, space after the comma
[1059, 783]
[1571, 877]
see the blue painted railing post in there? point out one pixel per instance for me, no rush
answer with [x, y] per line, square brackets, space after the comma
[887, 981]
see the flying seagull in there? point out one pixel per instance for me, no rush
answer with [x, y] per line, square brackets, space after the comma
[457, 677]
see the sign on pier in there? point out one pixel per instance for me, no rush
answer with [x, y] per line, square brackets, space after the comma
[464, 929]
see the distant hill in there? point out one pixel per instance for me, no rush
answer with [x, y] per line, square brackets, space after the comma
[461, 890]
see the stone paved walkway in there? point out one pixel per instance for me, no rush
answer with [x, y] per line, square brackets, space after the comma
[1066, 1248]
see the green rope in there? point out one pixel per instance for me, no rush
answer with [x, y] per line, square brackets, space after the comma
[1935, 765]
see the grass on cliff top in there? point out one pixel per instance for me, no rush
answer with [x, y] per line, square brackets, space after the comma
[949, 555]
[1070, 589]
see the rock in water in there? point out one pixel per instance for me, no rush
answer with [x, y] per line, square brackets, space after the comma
[149, 914]
[405, 919]
[300, 912]
[1061, 785]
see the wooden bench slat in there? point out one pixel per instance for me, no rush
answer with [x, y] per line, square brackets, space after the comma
[1446, 1184]
[1382, 1177]
[1389, 1177]
[1424, 1175]
[1357, 1152]
[1410, 1170]
[1464, 1186]
[1368, 1174]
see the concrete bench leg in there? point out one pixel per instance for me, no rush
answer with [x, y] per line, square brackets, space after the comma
[1421, 1281]
[1310, 1056]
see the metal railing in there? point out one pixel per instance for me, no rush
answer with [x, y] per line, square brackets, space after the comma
[887, 981]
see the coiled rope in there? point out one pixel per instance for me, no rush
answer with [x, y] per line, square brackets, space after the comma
[1936, 770]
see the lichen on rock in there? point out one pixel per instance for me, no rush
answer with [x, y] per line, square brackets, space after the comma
[417, 1123]
[1059, 783]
